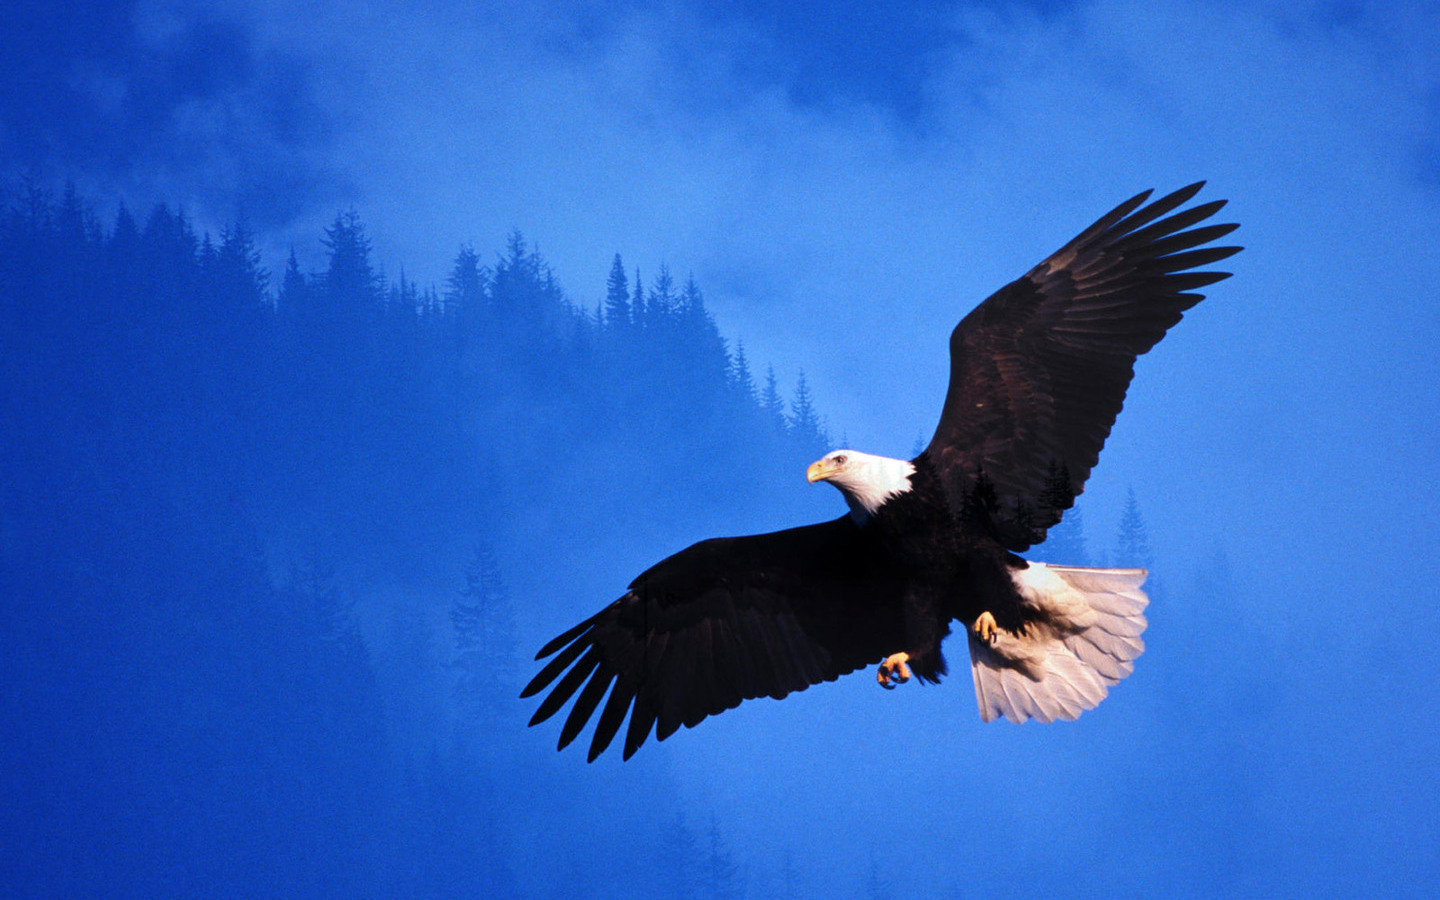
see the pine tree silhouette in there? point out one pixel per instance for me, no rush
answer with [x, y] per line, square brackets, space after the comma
[1132, 543]
[661, 305]
[639, 308]
[720, 876]
[351, 286]
[484, 636]
[804, 421]
[770, 402]
[292, 286]
[241, 281]
[740, 379]
[465, 285]
[351, 412]
[617, 297]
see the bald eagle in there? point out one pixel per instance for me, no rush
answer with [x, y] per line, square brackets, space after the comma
[1038, 373]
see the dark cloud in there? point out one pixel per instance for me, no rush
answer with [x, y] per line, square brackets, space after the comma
[180, 106]
[43, 50]
[851, 51]
[818, 56]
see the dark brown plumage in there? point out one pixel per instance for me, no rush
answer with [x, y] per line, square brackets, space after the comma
[1038, 372]
[725, 620]
[1038, 375]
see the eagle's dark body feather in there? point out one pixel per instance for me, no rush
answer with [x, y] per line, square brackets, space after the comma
[1038, 374]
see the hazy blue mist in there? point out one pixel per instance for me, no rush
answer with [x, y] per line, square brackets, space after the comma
[318, 417]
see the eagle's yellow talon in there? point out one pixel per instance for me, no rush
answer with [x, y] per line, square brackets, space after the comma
[893, 670]
[985, 627]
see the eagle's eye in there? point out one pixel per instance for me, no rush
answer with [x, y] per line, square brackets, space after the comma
[840, 460]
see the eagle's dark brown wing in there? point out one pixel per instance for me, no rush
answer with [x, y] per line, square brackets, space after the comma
[1038, 372]
[722, 621]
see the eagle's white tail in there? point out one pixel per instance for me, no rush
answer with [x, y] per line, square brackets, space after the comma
[1084, 639]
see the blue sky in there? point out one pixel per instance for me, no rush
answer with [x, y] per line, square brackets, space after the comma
[845, 182]
[803, 165]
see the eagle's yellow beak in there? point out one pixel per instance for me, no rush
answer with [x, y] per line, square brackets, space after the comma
[819, 470]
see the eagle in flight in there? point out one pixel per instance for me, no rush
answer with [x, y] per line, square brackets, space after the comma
[1038, 373]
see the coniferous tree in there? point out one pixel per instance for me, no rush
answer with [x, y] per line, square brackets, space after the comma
[720, 876]
[805, 423]
[876, 887]
[402, 300]
[399, 350]
[207, 255]
[363, 469]
[169, 244]
[36, 211]
[461, 310]
[481, 617]
[465, 285]
[770, 401]
[740, 379]
[691, 304]
[702, 348]
[331, 607]
[292, 287]
[241, 281]
[125, 237]
[351, 286]
[661, 305]
[513, 274]
[639, 308]
[789, 883]
[617, 297]
[527, 301]
[169, 250]
[75, 221]
[350, 273]
[680, 860]
[122, 261]
[1132, 543]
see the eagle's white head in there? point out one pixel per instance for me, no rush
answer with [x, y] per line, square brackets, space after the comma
[866, 480]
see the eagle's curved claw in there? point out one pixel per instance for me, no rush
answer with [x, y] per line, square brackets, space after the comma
[986, 628]
[893, 671]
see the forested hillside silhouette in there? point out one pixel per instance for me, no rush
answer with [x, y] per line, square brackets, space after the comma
[207, 469]
[254, 534]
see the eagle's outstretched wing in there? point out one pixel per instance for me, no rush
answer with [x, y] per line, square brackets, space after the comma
[1038, 372]
[722, 621]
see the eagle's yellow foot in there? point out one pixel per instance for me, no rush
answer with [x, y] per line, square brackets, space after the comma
[893, 670]
[985, 627]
